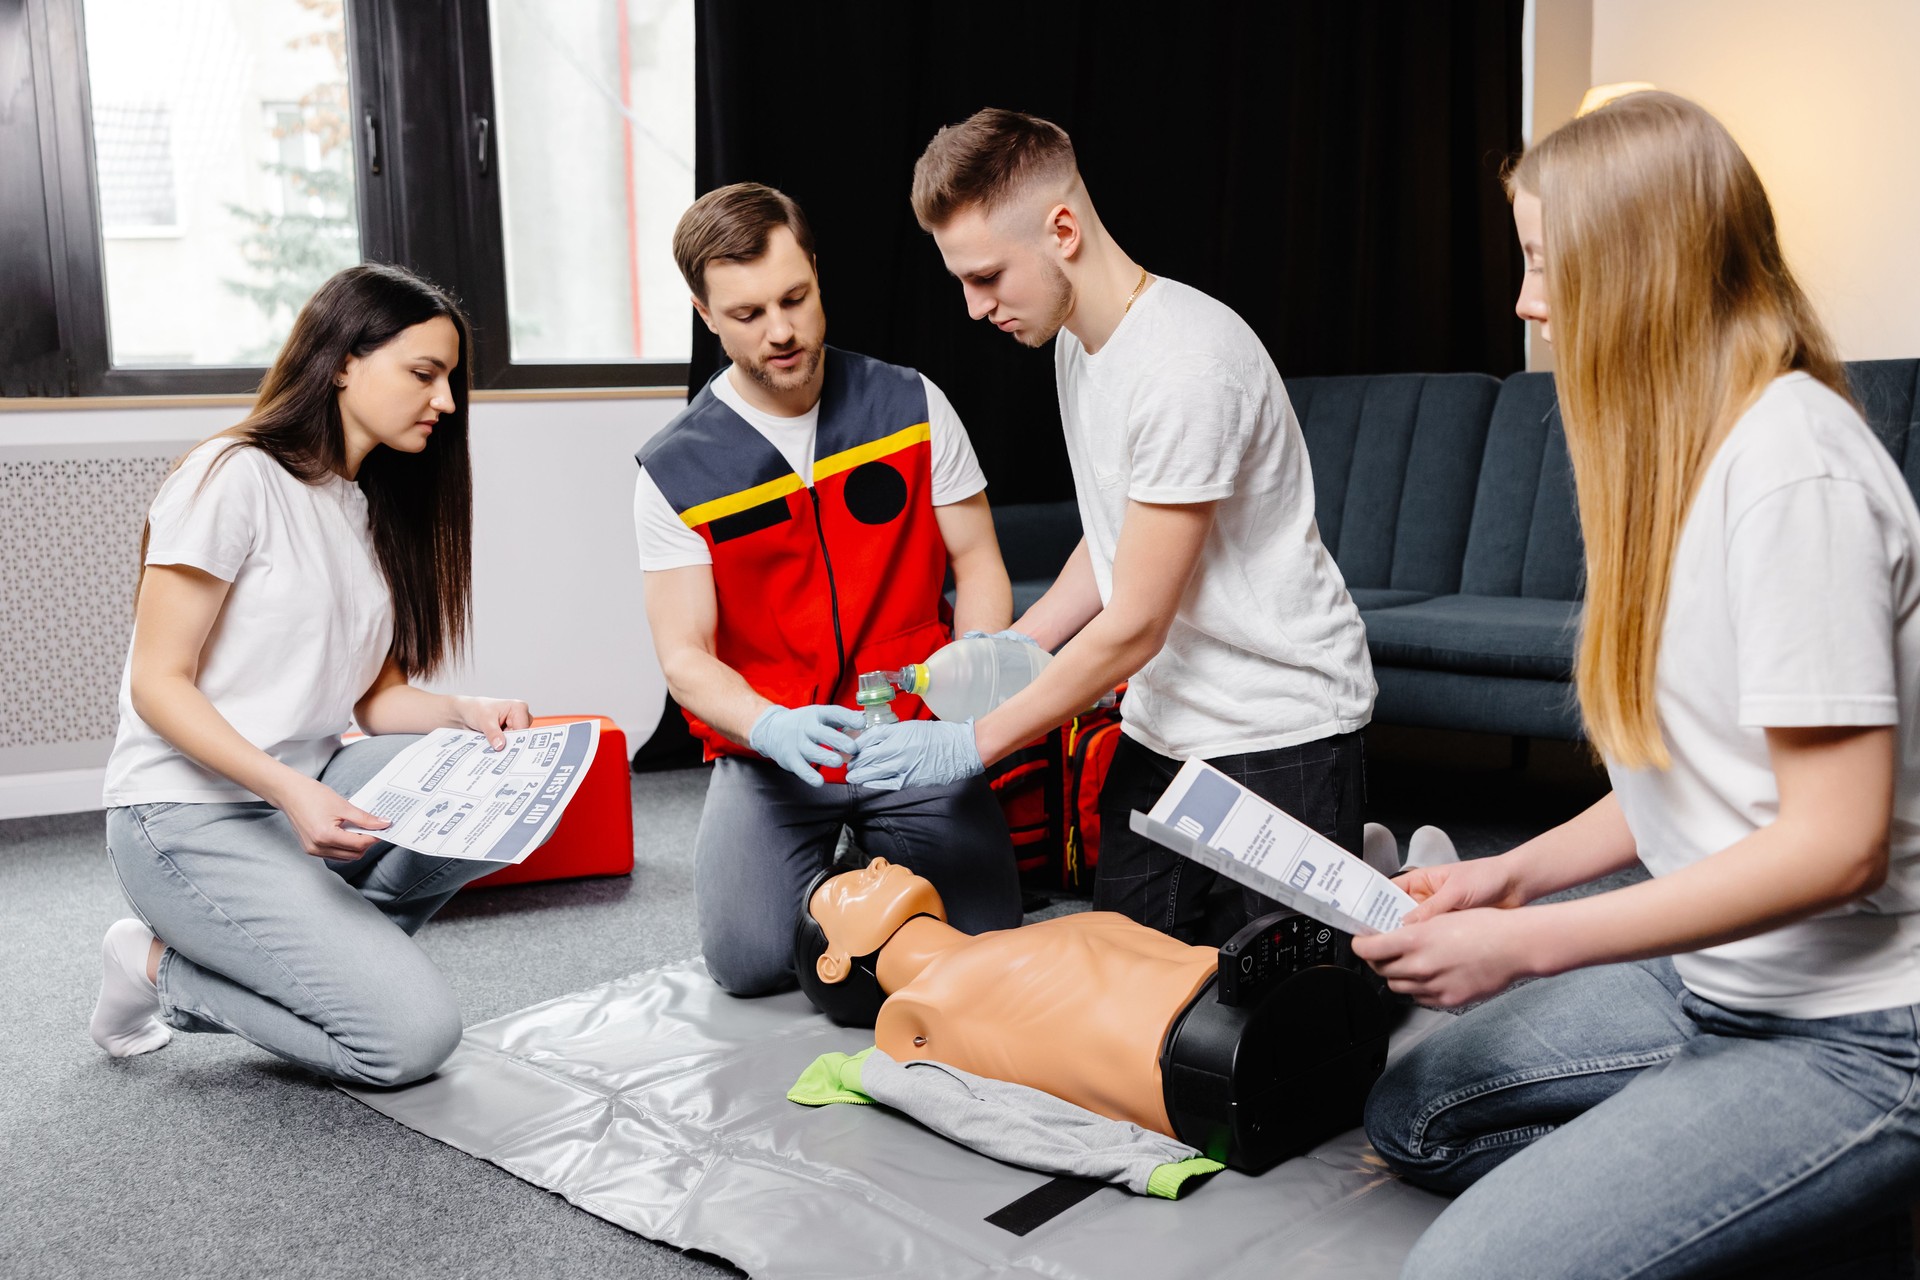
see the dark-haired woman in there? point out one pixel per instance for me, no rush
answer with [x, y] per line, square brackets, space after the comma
[298, 570]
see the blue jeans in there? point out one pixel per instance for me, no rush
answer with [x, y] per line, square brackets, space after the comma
[1610, 1123]
[764, 835]
[311, 959]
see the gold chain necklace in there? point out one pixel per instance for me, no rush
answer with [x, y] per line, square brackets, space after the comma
[1136, 292]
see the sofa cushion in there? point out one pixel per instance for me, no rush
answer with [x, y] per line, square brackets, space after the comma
[1395, 461]
[1385, 597]
[1525, 539]
[1478, 635]
[1480, 704]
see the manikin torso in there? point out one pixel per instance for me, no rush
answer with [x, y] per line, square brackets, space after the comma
[1077, 1006]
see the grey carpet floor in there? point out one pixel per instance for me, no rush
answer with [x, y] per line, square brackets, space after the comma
[211, 1158]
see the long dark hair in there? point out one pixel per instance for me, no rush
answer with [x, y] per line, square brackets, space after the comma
[419, 505]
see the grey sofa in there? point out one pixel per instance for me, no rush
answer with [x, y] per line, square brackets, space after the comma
[1447, 501]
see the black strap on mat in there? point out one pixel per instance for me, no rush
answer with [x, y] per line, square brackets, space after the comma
[1043, 1204]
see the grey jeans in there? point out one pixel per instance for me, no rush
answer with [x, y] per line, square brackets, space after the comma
[764, 834]
[308, 958]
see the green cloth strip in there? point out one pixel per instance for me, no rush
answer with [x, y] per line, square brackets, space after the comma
[1168, 1180]
[831, 1077]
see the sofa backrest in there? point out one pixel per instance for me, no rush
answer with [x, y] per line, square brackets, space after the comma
[1452, 482]
[1401, 454]
[1889, 396]
[1036, 538]
[1525, 536]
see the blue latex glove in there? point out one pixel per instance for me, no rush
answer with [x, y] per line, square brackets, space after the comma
[915, 753]
[798, 738]
[1008, 634]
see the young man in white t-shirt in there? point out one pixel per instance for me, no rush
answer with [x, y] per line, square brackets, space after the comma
[797, 523]
[1200, 576]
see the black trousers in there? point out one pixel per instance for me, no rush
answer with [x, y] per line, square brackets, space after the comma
[1322, 783]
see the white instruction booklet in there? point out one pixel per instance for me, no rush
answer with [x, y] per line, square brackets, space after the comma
[1218, 823]
[453, 796]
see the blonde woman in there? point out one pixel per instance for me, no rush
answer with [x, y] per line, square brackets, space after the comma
[1727, 1064]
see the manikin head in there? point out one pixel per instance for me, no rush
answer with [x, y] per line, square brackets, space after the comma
[1001, 194]
[847, 918]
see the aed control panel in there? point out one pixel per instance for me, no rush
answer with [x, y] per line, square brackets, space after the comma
[1274, 948]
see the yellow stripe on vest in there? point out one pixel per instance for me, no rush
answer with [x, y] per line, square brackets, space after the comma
[707, 512]
[848, 459]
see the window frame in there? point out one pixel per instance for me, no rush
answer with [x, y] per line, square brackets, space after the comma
[420, 93]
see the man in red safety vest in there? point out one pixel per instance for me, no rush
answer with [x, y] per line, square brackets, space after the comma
[796, 525]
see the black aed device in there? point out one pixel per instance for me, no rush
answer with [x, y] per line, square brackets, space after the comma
[1277, 1052]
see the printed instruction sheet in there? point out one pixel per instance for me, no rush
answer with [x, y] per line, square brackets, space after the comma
[1212, 819]
[453, 796]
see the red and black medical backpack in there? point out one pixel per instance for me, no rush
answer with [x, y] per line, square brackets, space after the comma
[1049, 791]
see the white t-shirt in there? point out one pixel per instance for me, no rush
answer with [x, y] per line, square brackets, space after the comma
[667, 543]
[306, 627]
[1795, 603]
[1183, 405]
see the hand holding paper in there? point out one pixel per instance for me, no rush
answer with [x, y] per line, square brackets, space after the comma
[1456, 958]
[328, 824]
[452, 796]
[1460, 886]
[492, 717]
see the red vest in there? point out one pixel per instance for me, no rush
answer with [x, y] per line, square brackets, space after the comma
[815, 585]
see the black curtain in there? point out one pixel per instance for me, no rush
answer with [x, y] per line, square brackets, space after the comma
[1328, 168]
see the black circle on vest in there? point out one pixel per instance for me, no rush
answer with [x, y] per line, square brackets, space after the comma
[876, 493]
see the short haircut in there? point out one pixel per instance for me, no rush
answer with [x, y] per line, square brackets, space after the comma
[732, 224]
[985, 161]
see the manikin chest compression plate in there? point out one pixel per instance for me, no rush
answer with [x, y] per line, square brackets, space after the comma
[659, 1103]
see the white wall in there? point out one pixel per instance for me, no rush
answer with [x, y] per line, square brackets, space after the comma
[558, 617]
[1559, 63]
[557, 604]
[1825, 100]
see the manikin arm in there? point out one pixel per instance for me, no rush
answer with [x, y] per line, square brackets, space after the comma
[1031, 1128]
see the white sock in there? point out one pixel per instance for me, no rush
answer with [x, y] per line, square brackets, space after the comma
[1379, 850]
[123, 1018]
[1430, 847]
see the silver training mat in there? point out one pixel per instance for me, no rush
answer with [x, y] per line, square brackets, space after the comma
[659, 1103]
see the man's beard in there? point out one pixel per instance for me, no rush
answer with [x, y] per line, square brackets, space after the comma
[1059, 306]
[781, 380]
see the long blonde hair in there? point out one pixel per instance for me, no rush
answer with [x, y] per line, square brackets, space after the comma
[1672, 310]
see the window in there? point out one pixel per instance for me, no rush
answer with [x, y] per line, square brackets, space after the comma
[210, 162]
[134, 143]
[195, 153]
[596, 165]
